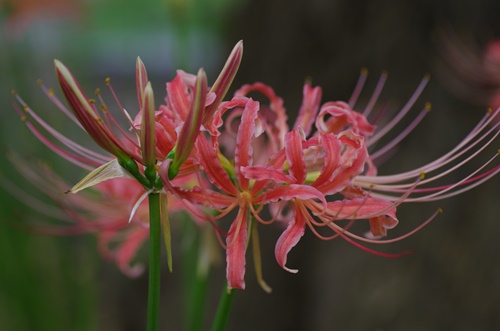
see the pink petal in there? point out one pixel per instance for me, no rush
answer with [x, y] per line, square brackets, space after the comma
[295, 155]
[290, 192]
[178, 98]
[244, 139]
[363, 208]
[211, 165]
[289, 238]
[265, 173]
[310, 105]
[236, 246]
[332, 147]
[274, 116]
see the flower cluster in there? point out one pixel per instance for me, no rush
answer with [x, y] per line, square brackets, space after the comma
[238, 165]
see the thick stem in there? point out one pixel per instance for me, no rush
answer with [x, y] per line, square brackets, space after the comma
[222, 314]
[154, 261]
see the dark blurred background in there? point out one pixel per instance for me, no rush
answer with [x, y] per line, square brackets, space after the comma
[451, 282]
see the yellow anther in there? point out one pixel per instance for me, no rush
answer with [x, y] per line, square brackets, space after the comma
[100, 120]
[490, 110]
[440, 210]
[427, 76]
[25, 107]
[385, 73]
[23, 118]
[104, 108]
[51, 92]
[92, 101]
[498, 151]
[107, 81]
[422, 175]
[428, 106]
[97, 91]
[13, 92]
[363, 72]
[39, 82]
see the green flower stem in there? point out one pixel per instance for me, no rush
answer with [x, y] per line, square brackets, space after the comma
[154, 261]
[222, 314]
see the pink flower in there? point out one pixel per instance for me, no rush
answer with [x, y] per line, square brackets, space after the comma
[471, 71]
[155, 134]
[324, 175]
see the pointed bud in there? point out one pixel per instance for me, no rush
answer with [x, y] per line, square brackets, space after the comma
[191, 127]
[223, 82]
[141, 80]
[86, 113]
[148, 140]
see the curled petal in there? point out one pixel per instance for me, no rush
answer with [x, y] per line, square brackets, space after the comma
[274, 116]
[290, 237]
[335, 117]
[380, 224]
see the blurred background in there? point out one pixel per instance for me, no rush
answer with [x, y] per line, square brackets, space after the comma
[451, 282]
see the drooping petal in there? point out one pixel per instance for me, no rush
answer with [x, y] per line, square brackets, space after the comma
[290, 237]
[127, 250]
[236, 247]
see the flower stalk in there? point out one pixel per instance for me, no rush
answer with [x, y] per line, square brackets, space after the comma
[223, 309]
[154, 262]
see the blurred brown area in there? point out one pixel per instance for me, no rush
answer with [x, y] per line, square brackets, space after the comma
[450, 282]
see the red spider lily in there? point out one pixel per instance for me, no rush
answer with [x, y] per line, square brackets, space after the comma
[326, 178]
[154, 136]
